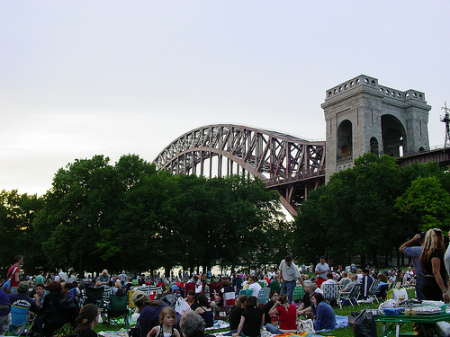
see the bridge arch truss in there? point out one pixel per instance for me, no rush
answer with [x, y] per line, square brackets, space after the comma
[286, 163]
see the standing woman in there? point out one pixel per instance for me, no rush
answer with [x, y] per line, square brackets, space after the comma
[432, 258]
[86, 320]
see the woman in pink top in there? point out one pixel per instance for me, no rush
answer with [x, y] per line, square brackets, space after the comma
[287, 315]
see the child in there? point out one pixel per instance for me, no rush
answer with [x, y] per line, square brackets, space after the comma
[167, 318]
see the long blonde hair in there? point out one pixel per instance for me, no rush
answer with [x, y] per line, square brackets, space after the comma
[433, 242]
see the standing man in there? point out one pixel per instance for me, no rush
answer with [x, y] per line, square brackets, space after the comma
[288, 275]
[14, 274]
[322, 269]
[414, 253]
[40, 278]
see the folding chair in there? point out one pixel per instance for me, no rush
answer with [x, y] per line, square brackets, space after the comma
[20, 321]
[246, 292]
[117, 309]
[350, 296]
[373, 289]
[94, 296]
[229, 300]
[263, 296]
[331, 292]
[299, 292]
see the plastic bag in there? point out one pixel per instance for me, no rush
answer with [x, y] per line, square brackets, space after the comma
[181, 306]
[305, 326]
[363, 324]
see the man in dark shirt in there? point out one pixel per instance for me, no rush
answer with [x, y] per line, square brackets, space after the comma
[304, 308]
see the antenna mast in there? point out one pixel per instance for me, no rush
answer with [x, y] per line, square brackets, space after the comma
[446, 120]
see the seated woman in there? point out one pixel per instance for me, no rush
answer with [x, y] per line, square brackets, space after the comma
[287, 315]
[382, 286]
[325, 319]
[205, 310]
[235, 314]
[268, 306]
[86, 320]
[252, 319]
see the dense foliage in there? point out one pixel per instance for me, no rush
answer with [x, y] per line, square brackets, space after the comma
[372, 208]
[130, 216]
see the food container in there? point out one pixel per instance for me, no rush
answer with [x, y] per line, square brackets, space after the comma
[393, 311]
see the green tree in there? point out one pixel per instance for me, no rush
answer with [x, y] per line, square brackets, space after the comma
[425, 204]
[81, 202]
[17, 212]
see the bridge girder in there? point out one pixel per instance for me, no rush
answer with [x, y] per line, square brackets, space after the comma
[281, 161]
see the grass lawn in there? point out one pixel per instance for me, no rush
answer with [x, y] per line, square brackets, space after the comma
[345, 311]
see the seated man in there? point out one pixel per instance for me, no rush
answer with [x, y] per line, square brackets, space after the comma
[304, 308]
[349, 287]
[21, 299]
[365, 284]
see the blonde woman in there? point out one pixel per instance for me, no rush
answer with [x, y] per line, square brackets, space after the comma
[432, 258]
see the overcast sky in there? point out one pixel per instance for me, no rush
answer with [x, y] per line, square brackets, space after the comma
[79, 78]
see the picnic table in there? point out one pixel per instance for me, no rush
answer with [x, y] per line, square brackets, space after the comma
[392, 323]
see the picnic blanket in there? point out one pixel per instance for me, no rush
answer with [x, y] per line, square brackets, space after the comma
[121, 333]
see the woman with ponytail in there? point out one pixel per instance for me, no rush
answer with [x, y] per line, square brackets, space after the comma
[86, 320]
[287, 315]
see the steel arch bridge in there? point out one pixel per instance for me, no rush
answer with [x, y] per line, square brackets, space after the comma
[290, 165]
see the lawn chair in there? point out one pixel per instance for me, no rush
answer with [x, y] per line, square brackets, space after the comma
[331, 292]
[263, 296]
[59, 319]
[229, 300]
[299, 292]
[20, 321]
[117, 309]
[350, 296]
[372, 290]
[94, 296]
[246, 292]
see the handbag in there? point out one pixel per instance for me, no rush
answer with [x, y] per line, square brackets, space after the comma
[7, 283]
[305, 326]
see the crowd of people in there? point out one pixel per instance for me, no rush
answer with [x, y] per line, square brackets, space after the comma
[205, 299]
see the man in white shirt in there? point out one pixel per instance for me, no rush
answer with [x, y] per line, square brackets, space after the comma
[289, 275]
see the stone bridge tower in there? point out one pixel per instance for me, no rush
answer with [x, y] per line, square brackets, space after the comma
[363, 116]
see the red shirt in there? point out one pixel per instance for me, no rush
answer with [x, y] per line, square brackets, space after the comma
[288, 318]
[14, 283]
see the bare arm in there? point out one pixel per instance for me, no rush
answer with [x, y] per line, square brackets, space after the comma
[241, 325]
[154, 331]
[262, 320]
[274, 310]
[436, 265]
[17, 275]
